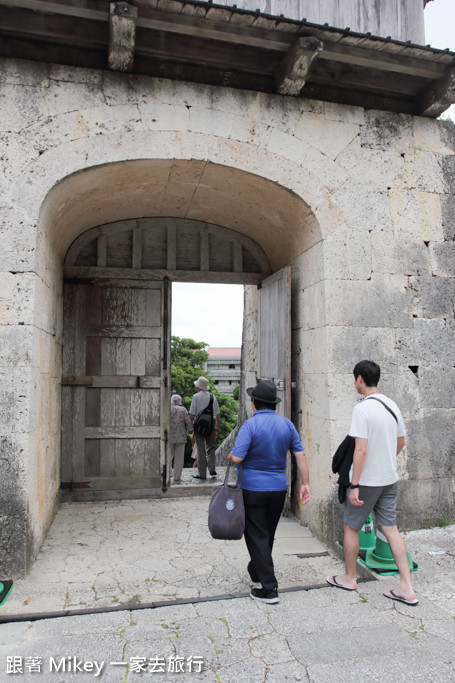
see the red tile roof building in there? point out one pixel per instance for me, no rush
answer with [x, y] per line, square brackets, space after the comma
[224, 366]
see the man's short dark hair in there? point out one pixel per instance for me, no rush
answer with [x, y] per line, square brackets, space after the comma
[369, 371]
[260, 405]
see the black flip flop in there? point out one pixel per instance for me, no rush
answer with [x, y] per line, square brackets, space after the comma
[335, 583]
[398, 598]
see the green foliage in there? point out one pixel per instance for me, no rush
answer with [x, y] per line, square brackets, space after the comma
[229, 409]
[235, 393]
[188, 359]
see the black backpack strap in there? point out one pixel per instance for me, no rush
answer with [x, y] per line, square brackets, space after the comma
[385, 406]
[209, 406]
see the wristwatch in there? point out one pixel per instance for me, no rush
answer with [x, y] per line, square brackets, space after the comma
[355, 486]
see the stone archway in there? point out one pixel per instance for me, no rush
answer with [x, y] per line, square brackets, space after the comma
[260, 226]
[116, 365]
[260, 209]
[235, 197]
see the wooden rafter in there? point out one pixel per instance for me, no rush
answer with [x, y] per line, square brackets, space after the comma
[294, 69]
[122, 36]
[438, 96]
[220, 45]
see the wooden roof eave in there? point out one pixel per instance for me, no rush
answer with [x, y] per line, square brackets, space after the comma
[251, 50]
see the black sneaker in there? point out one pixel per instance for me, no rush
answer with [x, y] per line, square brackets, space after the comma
[213, 473]
[268, 596]
[198, 476]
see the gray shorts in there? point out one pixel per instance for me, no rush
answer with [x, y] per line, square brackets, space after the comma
[382, 500]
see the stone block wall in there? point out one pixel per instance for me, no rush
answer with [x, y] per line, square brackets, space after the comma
[389, 295]
[366, 223]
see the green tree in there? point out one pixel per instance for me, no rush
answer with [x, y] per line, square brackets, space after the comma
[188, 358]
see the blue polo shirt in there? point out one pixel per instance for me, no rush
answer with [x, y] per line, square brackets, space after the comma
[263, 442]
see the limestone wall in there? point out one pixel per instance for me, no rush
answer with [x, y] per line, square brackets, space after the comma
[372, 250]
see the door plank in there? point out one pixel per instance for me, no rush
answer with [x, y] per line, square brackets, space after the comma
[107, 458]
[92, 458]
[107, 410]
[137, 358]
[136, 458]
[108, 356]
[124, 331]
[118, 432]
[122, 459]
[93, 407]
[123, 356]
[153, 357]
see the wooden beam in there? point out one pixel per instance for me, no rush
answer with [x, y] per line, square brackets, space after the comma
[435, 98]
[295, 67]
[130, 277]
[244, 35]
[122, 36]
[379, 59]
[62, 7]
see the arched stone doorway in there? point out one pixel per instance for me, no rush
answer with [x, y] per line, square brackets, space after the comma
[116, 356]
[125, 265]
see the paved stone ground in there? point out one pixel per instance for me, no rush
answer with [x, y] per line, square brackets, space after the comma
[142, 551]
[320, 635]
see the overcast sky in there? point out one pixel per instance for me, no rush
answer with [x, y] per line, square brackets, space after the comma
[213, 313]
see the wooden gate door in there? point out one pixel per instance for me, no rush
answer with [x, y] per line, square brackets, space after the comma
[115, 394]
[274, 342]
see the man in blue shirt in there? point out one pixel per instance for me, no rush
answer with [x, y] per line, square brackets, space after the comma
[262, 445]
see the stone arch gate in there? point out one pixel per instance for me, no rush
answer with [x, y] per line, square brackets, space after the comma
[116, 322]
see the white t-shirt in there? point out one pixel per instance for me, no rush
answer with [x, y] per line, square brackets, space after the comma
[372, 421]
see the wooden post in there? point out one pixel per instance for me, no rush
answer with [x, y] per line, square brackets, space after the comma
[295, 67]
[122, 36]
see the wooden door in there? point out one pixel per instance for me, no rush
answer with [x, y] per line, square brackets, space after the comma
[274, 335]
[274, 343]
[115, 394]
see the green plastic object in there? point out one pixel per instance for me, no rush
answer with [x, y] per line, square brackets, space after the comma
[367, 538]
[5, 590]
[380, 559]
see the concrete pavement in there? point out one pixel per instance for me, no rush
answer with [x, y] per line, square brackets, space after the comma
[166, 602]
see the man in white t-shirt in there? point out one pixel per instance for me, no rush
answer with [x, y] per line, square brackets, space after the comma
[379, 432]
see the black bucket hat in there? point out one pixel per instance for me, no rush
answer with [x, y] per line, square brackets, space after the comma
[265, 391]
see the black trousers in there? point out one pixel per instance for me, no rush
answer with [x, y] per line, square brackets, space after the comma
[262, 513]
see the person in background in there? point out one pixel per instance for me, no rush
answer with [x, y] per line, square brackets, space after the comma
[205, 444]
[379, 434]
[180, 425]
[262, 445]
